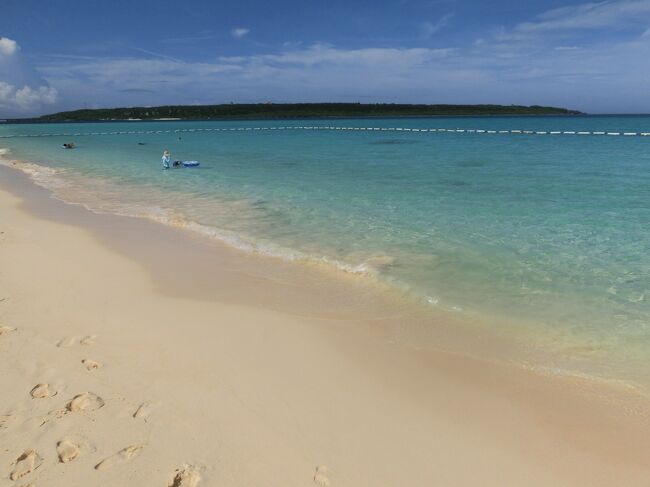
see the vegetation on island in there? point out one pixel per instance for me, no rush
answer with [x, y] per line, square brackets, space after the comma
[298, 110]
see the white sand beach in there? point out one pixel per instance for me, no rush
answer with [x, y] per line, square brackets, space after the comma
[114, 373]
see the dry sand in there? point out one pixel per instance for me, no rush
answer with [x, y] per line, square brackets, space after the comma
[109, 377]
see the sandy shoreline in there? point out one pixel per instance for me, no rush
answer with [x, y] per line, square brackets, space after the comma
[250, 382]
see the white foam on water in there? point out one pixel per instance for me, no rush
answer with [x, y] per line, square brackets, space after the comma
[65, 190]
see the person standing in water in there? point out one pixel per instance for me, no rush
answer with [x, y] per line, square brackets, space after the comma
[166, 159]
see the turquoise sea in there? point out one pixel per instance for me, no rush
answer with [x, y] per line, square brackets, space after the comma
[541, 235]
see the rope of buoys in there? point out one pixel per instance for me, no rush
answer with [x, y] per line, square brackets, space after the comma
[383, 129]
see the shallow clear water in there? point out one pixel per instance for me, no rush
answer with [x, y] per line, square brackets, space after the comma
[542, 234]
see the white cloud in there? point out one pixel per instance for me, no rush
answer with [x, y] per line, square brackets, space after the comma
[26, 98]
[427, 29]
[156, 54]
[22, 89]
[315, 73]
[589, 16]
[5, 90]
[8, 46]
[319, 54]
[239, 32]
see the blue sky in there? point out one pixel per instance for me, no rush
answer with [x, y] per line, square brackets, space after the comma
[57, 55]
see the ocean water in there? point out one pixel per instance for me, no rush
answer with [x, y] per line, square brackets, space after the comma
[545, 236]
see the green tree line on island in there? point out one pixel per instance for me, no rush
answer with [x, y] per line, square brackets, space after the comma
[298, 110]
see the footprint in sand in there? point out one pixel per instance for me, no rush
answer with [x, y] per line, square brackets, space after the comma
[87, 401]
[124, 455]
[5, 330]
[69, 449]
[71, 341]
[320, 477]
[25, 464]
[91, 364]
[143, 411]
[66, 342]
[185, 476]
[5, 419]
[88, 340]
[54, 415]
[40, 391]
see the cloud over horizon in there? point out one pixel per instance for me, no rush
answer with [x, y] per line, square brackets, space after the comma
[22, 90]
[488, 73]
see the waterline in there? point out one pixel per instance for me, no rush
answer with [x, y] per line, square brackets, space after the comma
[529, 234]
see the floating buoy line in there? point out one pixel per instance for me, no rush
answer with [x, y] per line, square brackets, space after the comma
[334, 128]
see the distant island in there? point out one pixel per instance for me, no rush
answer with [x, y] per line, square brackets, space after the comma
[296, 110]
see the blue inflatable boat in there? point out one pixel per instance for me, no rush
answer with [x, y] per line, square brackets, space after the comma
[186, 163]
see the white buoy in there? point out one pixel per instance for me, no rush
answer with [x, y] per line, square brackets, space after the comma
[330, 127]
